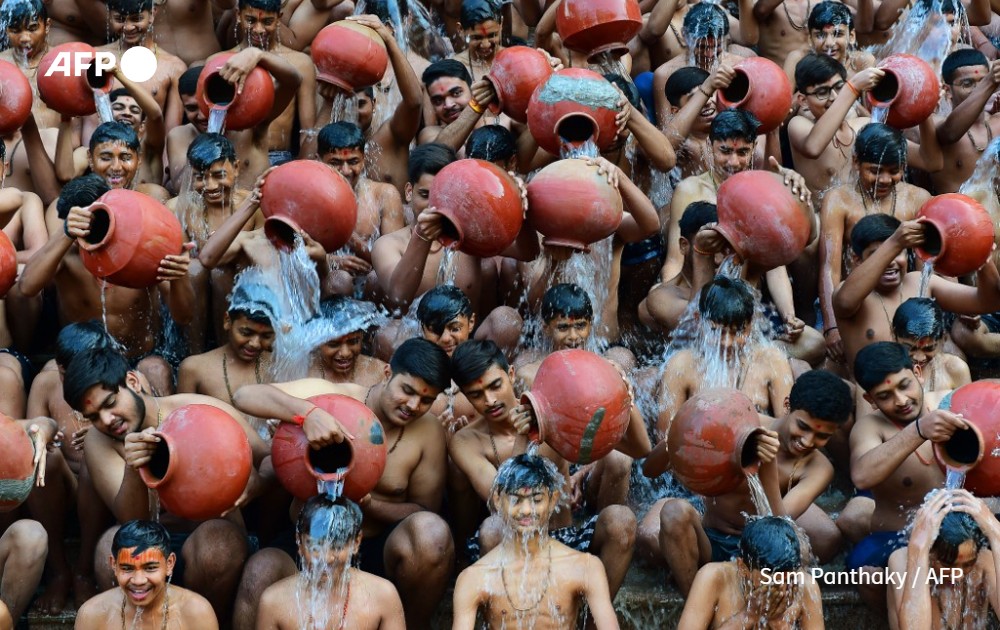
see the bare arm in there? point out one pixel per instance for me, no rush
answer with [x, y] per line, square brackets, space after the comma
[400, 274]
[43, 170]
[477, 468]
[764, 8]
[699, 608]
[467, 598]
[64, 163]
[654, 144]
[872, 460]
[642, 220]
[598, 594]
[218, 250]
[966, 113]
[815, 479]
[42, 267]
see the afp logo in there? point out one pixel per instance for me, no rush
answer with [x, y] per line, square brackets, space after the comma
[138, 63]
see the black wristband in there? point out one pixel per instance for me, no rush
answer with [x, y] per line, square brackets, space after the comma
[66, 229]
[918, 430]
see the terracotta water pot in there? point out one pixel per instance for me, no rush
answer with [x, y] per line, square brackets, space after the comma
[973, 450]
[243, 111]
[8, 264]
[712, 441]
[958, 235]
[516, 74]
[481, 205]
[595, 26]
[300, 468]
[762, 88]
[761, 219]
[349, 55]
[17, 470]
[909, 89]
[130, 233]
[582, 405]
[69, 94]
[310, 195]
[575, 103]
[202, 466]
[572, 205]
[15, 97]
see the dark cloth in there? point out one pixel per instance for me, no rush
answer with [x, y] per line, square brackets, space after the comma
[638, 253]
[725, 546]
[277, 158]
[28, 371]
[874, 550]
[578, 537]
[371, 555]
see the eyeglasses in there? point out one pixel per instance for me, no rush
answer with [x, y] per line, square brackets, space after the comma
[823, 93]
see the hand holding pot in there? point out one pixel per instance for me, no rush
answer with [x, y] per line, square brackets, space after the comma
[430, 225]
[351, 264]
[621, 120]
[767, 446]
[78, 222]
[939, 425]
[483, 92]
[793, 328]
[322, 429]
[523, 419]
[910, 234]
[374, 23]
[793, 180]
[140, 446]
[240, 65]
[708, 241]
[175, 267]
[720, 79]
[522, 188]
[867, 79]
[554, 62]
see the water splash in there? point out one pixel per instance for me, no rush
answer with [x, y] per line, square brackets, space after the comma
[344, 108]
[103, 103]
[879, 114]
[217, 119]
[758, 496]
[335, 488]
[954, 479]
[925, 278]
[585, 149]
[448, 267]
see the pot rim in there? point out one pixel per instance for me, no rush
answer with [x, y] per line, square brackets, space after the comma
[923, 253]
[886, 104]
[340, 83]
[720, 94]
[213, 105]
[741, 442]
[147, 475]
[597, 128]
[449, 214]
[112, 222]
[613, 47]
[327, 476]
[273, 233]
[948, 462]
[541, 408]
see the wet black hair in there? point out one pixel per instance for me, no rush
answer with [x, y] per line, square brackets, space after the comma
[472, 359]
[380, 9]
[955, 529]
[423, 359]
[273, 6]
[873, 228]
[493, 143]
[429, 159]
[20, 14]
[527, 471]
[566, 300]
[727, 301]
[823, 395]
[446, 68]
[130, 7]
[734, 124]
[325, 520]
[252, 300]
[478, 11]
[878, 361]
[627, 87]
[79, 337]
[770, 542]
[441, 305]
[878, 143]
[187, 83]
[80, 191]
[340, 135]
[105, 366]
[114, 132]
[918, 317]
[829, 13]
[208, 148]
[946, 6]
[961, 58]
[814, 69]
[696, 216]
[142, 535]
[705, 19]
[682, 81]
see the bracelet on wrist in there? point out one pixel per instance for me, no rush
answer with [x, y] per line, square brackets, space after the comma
[830, 329]
[705, 92]
[66, 230]
[420, 236]
[476, 107]
[851, 87]
[922, 437]
[698, 251]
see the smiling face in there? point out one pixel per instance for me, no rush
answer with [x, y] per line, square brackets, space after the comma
[340, 355]
[804, 433]
[833, 40]
[483, 40]
[247, 338]
[216, 183]
[879, 180]
[731, 156]
[449, 96]
[492, 394]
[132, 28]
[193, 113]
[900, 397]
[406, 398]
[568, 332]
[28, 40]
[922, 351]
[116, 162]
[115, 413]
[126, 110]
[893, 274]
[259, 28]
[455, 332]
[528, 510]
[349, 162]
[143, 576]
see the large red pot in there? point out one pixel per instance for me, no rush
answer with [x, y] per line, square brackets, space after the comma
[66, 93]
[481, 205]
[909, 89]
[760, 87]
[203, 464]
[582, 405]
[573, 205]
[8, 264]
[310, 195]
[958, 235]
[130, 233]
[973, 451]
[301, 468]
[761, 219]
[15, 97]
[243, 111]
[349, 55]
[17, 469]
[595, 26]
[516, 74]
[712, 441]
[576, 103]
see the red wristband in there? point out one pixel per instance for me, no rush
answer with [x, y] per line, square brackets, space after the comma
[300, 420]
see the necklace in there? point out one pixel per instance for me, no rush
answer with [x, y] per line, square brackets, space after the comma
[989, 135]
[841, 146]
[166, 609]
[884, 309]
[878, 204]
[225, 375]
[916, 451]
[398, 440]
[496, 454]
[343, 611]
[680, 40]
[548, 576]
[805, 22]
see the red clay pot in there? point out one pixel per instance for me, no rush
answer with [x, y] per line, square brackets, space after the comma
[595, 26]
[310, 195]
[130, 233]
[8, 264]
[243, 111]
[70, 95]
[516, 74]
[300, 468]
[202, 466]
[958, 235]
[17, 471]
[349, 55]
[910, 90]
[572, 205]
[481, 205]
[712, 441]
[579, 104]
[762, 88]
[582, 405]
[15, 97]
[973, 450]
[761, 219]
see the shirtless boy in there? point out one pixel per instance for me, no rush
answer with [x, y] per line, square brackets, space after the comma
[918, 324]
[29, 29]
[832, 33]
[340, 358]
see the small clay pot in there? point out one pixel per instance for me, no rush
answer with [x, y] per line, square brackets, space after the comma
[8, 264]
[592, 27]
[516, 73]
[958, 234]
[577, 105]
[973, 450]
[17, 468]
[573, 205]
[244, 110]
[349, 55]
[15, 98]
[909, 89]
[762, 88]
[67, 93]
[312, 196]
